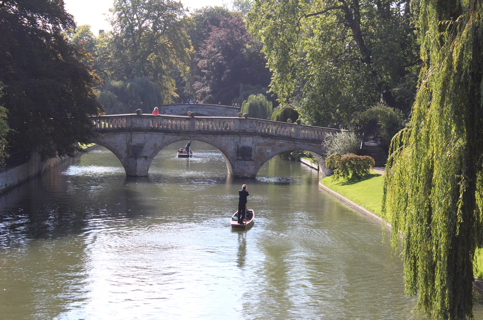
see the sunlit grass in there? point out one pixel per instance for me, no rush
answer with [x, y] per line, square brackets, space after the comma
[366, 192]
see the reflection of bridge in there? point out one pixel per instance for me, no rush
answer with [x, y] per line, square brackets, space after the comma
[245, 143]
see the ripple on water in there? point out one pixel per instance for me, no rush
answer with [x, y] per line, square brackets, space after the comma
[92, 170]
[277, 180]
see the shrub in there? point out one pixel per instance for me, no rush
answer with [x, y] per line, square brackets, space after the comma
[349, 166]
[380, 121]
[342, 143]
[283, 113]
[257, 106]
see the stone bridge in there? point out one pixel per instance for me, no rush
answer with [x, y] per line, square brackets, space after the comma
[245, 143]
[199, 110]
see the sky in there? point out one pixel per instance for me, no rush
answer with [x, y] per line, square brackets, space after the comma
[92, 12]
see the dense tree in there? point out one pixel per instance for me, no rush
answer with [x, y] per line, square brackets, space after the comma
[47, 90]
[202, 21]
[257, 106]
[434, 182]
[118, 97]
[340, 56]
[149, 39]
[380, 121]
[228, 58]
[84, 37]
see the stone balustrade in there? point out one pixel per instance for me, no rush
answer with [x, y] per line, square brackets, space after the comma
[200, 124]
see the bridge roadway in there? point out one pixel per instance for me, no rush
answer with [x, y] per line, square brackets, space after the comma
[245, 143]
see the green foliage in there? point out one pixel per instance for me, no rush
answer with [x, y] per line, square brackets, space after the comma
[366, 192]
[243, 6]
[118, 97]
[349, 166]
[149, 39]
[247, 90]
[341, 56]
[342, 143]
[380, 121]
[84, 37]
[282, 113]
[202, 21]
[48, 90]
[434, 186]
[257, 106]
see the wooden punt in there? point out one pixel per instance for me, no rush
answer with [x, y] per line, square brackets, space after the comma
[246, 223]
[182, 154]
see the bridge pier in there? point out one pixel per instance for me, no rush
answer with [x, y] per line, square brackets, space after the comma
[136, 166]
[244, 169]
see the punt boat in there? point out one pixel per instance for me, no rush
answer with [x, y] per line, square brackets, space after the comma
[183, 154]
[248, 222]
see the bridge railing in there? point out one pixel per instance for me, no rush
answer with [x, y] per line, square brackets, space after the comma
[169, 123]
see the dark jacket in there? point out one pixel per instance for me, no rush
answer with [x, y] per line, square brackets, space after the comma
[243, 196]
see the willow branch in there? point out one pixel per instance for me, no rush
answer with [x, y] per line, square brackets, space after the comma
[319, 13]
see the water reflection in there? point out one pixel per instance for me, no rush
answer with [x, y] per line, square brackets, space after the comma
[86, 242]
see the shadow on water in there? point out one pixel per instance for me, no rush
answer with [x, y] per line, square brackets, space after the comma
[56, 205]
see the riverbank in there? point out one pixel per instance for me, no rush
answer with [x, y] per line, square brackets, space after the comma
[365, 196]
[35, 166]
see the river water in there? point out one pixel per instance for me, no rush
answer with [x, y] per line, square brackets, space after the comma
[85, 242]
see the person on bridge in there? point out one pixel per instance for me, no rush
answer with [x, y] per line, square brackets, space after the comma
[155, 111]
[187, 147]
[242, 203]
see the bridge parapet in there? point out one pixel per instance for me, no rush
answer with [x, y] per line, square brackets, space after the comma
[211, 125]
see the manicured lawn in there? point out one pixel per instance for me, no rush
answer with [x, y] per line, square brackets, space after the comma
[368, 194]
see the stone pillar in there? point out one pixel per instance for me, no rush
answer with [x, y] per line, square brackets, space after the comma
[244, 169]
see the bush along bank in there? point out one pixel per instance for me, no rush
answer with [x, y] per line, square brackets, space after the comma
[367, 193]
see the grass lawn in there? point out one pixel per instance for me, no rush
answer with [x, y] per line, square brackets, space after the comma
[368, 194]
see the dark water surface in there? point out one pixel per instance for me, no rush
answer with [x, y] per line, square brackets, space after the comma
[85, 242]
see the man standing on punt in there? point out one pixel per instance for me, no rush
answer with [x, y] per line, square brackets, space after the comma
[242, 203]
[187, 148]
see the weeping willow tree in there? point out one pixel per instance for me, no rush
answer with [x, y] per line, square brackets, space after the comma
[433, 187]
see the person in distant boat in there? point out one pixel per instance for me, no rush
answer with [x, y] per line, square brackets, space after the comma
[187, 147]
[242, 203]
[155, 111]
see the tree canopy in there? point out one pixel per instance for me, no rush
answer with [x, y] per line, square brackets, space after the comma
[338, 56]
[433, 183]
[47, 91]
[257, 106]
[228, 58]
[149, 39]
[119, 97]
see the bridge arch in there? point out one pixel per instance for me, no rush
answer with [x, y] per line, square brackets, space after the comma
[215, 144]
[111, 148]
[316, 152]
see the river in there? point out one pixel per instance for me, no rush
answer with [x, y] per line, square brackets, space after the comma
[85, 242]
